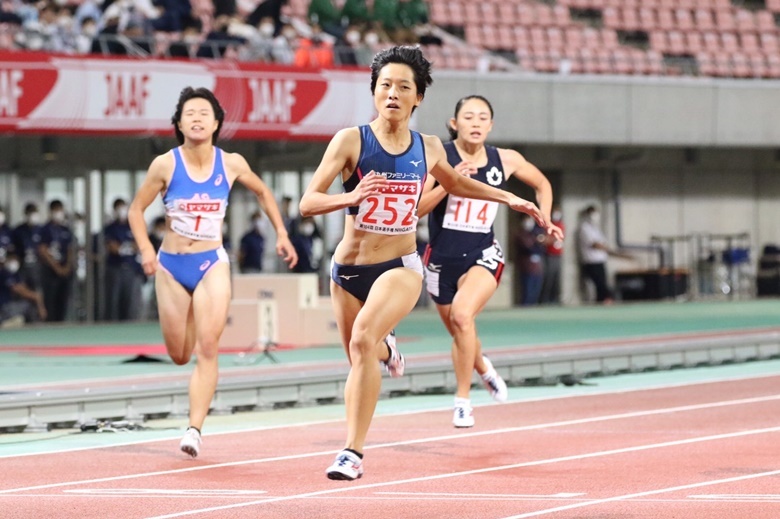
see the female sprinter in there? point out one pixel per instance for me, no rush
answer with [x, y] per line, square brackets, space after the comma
[192, 268]
[376, 272]
[463, 259]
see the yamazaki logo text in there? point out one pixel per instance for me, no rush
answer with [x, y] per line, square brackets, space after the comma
[127, 95]
[272, 101]
[202, 207]
[10, 92]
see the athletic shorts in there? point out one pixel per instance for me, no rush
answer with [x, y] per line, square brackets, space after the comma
[358, 279]
[189, 269]
[442, 274]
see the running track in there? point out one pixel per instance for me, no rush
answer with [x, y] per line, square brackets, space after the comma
[695, 450]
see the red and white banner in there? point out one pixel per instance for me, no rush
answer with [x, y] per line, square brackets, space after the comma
[52, 94]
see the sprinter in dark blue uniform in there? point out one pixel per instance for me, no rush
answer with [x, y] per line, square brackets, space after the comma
[464, 260]
[192, 273]
[376, 274]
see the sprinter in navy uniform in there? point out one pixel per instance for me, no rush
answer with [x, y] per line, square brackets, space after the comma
[377, 274]
[464, 260]
[192, 272]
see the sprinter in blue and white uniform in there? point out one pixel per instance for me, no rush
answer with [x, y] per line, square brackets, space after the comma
[463, 259]
[376, 274]
[192, 271]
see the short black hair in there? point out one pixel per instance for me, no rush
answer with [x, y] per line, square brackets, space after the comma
[118, 202]
[408, 55]
[459, 105]
[192, 93]
[55, 205]
[30, 207]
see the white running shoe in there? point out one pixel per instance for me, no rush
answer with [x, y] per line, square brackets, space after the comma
[190, 444]
[463, 415]
[493, 382]
[395, 363]
[347, 467]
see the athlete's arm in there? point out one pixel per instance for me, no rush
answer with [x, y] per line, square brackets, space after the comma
[340, 156]
[433, 195]
[265, 198]
[460, 185]
[152, 185]
[517, 166]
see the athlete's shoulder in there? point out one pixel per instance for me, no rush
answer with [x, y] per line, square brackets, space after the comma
[163, 163]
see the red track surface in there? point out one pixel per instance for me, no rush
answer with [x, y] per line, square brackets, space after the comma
[700, 451]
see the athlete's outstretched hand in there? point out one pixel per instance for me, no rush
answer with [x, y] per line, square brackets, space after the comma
[149, 261]
[524, 206]
[370, 184]
[286, 250]
[554, 231]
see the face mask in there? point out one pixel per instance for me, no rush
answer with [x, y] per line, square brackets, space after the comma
[58, 216]
[352, 37]
[595, 218]
[529, 224]
[12, 266]
[89, 30]
[307, 229]
[290, 35]
[121, 213]
[371, 38]
[266, 29]
[258, 223]
[33, 218]
[2, 218]
[556, 216]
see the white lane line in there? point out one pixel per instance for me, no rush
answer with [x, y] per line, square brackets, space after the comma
[587, 394]
[642, 494]
[559, 495]
[576, 457]
[458, 436]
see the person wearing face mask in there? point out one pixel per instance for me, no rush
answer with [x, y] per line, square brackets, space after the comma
[26, 238]
[252, 247]
[529, 261]
[593, 253]
[6, 238]
[551, 285]
[124, 274]
[304, 236]
[18, 302]
[464, 260]
[57, 261]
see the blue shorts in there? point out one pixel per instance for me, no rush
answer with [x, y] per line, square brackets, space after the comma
[443, 273]
[358, 279]
[189, 269]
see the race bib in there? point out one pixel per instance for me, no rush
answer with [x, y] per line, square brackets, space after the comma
[469, 214]
[198, 218]
[393, 211]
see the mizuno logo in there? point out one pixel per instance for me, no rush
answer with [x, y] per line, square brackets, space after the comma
[415, 163]
[348, 277]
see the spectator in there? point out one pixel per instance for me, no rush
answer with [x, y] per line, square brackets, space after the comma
[86, 36]
[284, 44]
[6, 237]
[57, 262]
[260, 44]
[355, 12]
[551, 285]
[314, 52]
[191, 38]
[267, 9]
[19, 303]
[324, 14]
[250, 253]
[157, 233]
[351, 50]
[124, 274]
[284, 208]
[306, 238]
[530, 245]
[593, 253]
[26, 238]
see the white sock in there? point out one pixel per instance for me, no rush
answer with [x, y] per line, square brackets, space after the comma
[462, 402]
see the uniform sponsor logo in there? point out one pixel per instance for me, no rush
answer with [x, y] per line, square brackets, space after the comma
[415, 163]
[206, 264]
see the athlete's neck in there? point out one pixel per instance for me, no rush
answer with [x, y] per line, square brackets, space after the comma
[471, 150]
[390, 134]
[198, 154]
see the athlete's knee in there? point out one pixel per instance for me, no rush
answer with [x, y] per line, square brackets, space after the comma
[180, 358]
[362, 343]
[461, 321]
[209, 348]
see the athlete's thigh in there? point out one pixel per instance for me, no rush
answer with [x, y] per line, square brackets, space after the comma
[345, 310]
[173, 305]
[475, 288]
[211, 302]
[392, 297]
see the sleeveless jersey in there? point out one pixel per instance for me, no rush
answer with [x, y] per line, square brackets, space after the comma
[460, 225]
[197, 209]
[394, 210]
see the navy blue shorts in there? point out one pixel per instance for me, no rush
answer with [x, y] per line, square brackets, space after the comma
[442, 273]
[189, 269]
[358, 279]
